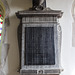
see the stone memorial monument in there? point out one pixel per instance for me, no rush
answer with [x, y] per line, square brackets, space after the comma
[39, 37]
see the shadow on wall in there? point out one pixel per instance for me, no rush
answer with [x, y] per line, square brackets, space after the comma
[24, 4]
[13, 55]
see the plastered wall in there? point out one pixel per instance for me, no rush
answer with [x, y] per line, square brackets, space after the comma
[13, 54]
[67, 51]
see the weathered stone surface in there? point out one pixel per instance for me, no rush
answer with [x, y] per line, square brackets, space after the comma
[36, 20]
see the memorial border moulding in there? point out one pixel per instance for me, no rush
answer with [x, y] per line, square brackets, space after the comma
[39, 18]
[44, 18]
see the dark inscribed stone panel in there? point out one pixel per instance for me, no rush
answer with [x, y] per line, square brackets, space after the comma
[39, 46]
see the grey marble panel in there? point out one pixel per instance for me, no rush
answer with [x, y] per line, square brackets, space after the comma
[39, 46]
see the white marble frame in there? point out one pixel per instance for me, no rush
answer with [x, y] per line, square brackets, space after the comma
[56, 44]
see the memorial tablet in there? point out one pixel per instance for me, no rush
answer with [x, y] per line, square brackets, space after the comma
[39, 46]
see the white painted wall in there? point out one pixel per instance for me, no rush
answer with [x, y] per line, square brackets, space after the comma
[67, 51]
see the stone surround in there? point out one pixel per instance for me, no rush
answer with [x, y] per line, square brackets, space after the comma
[47, 18]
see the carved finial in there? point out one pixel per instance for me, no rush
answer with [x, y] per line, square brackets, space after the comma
[38, 4]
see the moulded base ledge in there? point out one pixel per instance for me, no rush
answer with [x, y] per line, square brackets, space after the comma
[40, 72]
